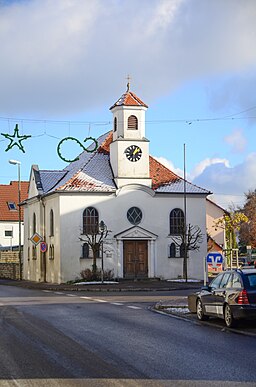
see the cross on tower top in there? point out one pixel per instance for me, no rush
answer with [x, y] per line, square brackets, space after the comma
[128, 82]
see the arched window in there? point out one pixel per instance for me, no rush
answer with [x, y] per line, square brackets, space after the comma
[90, 221]
[176, 221]
[85, 250]
[34, 223]
[172, 250]
[133, 123]
[51, 223]
[115, 124]
[51, 252]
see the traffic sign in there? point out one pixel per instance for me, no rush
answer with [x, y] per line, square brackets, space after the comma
[43, 247]
[214, 259]
[36, 238]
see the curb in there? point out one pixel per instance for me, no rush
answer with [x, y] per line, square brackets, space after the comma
[96, 288]
[197, 322]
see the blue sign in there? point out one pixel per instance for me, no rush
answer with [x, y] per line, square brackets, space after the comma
[43, 247]
[214, 259]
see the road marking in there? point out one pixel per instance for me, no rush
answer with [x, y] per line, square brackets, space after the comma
[90, 298]
[95, 299]
[86, 298]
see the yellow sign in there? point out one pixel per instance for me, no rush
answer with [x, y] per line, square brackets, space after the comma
[36, 238]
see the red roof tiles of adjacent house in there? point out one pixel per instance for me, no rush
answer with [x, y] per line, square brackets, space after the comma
[129, 99]
[9, 194]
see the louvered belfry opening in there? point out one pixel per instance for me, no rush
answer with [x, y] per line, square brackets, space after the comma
[115, 124]
[133, 122]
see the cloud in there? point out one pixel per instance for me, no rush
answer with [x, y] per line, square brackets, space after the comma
[169, 164]
[200, 167]
[236, 140]
[68, 56]
[229, 183]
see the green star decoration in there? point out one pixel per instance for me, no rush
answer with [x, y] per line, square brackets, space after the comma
[15, 139]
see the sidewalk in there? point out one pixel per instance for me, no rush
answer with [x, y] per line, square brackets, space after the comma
[121, 286]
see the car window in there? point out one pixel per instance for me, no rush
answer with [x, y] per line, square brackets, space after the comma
[229, 283]
[236, 283]
[224, 280]
[252, 280]
[216, 282]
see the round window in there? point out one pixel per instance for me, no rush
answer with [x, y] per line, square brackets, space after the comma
[134, 215]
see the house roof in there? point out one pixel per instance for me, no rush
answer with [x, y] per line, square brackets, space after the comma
[9, 193]
[128, 99]
[92, 172]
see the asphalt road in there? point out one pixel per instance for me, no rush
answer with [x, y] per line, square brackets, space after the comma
[61, 339]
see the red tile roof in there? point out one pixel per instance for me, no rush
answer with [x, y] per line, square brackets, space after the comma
[105, 145]
[160, 174]
[9, 193]
[128, 99]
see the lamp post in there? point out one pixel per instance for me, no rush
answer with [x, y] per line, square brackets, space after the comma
[103, 230]
[18, 163]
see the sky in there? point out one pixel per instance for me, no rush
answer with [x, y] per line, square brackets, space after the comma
[193, 62]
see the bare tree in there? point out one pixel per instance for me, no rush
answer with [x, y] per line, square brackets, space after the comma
[94, 237]
[190, 238]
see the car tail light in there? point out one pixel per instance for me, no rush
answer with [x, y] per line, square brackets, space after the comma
[243, 297]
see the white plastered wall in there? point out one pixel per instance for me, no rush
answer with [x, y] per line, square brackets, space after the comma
[213, 214]
[14, 228]
[113, 210]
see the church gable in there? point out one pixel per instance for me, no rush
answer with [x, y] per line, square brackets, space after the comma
[136, 232]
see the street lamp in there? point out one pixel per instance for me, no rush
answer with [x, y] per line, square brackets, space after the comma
[18, 163]
[103, 230]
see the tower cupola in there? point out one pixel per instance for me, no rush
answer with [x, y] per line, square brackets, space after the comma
[128, 116]
[129, 150]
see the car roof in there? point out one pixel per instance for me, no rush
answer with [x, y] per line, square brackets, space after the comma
[242, 270]
[248, 271]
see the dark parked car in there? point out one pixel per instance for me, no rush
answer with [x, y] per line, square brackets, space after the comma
[231, 296]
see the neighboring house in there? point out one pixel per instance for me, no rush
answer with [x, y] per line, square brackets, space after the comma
[216, 235]
[9, 213]
[140, 200]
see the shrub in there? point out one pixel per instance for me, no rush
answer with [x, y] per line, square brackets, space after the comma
[88, 275]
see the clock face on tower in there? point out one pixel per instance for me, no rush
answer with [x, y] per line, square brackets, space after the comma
[133, 153]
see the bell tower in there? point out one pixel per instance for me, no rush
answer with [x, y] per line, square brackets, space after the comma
[129, 151]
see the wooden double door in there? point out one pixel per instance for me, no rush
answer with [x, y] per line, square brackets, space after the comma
[135, 259]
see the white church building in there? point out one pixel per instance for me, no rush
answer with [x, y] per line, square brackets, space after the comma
[140, 201]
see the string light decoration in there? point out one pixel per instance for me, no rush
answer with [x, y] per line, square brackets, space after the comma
[15, 139]
[80, 144]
